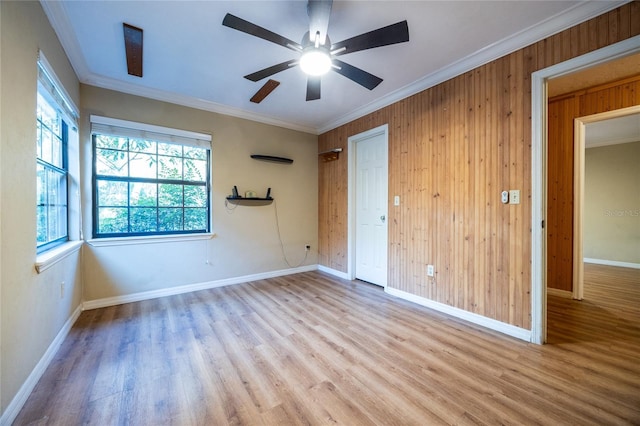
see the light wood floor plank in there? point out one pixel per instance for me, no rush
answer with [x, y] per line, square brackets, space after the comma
[311, 349]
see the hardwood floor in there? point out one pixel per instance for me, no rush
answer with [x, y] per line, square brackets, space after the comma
[313, 349]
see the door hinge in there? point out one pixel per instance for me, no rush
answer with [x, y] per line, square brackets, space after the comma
[542, 224]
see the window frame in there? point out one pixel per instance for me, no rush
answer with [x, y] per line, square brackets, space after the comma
[50, 90]
[158, 134]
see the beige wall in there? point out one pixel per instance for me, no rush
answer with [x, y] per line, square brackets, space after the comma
[612, 203]
[246, 240]
[32, 309]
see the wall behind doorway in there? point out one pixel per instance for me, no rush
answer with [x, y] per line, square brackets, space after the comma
[612, 204]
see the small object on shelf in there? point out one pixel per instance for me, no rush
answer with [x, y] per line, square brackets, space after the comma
[272, 158]
[250, 194]
[268, 197]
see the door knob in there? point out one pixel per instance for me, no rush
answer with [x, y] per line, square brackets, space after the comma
[382, 218]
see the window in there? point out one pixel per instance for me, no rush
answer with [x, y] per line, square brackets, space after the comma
[51, 164]
[149, 182]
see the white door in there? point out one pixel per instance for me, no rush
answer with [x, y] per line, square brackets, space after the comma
[371, 209]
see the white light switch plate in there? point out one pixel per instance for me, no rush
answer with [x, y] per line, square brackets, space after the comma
[396, 200]
[514, 196]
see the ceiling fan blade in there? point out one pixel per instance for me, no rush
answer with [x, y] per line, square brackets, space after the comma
[361, 77]
[313, 87]
[264, 91]
[267, 72]
[133, 49]
[391, 34]
[319, 12]
[240, 24]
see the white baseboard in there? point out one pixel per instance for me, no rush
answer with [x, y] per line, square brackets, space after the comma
[560, 293]
[154, 294]
[508, 329]
[334, 272]
[25, 390]
[612, 263]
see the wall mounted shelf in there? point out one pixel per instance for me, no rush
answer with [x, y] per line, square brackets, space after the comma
[244, 201]
[272, 159]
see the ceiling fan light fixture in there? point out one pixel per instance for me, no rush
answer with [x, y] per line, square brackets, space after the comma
[315, 61]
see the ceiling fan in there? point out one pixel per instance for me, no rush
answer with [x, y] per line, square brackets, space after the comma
[317, 55]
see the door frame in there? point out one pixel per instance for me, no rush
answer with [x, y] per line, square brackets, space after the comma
[579, 146]
[351, 194]
[539, 176]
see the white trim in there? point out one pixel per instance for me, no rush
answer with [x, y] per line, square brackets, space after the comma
[579, 146]
[334, 272]
[154, 294]
[50, 257]
[151, 239]
[581, 12]
[539, 163]
[351, 192]
[565, 294]
[502, 327]
[27, 387]
[612, 263]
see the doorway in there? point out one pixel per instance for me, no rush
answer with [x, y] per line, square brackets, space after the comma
[539, 169]
[623, 121]
[368, 204]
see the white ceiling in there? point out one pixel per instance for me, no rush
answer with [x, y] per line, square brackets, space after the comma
[191, 59]
[613, 131]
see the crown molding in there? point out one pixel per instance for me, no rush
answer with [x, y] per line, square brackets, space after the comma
[579, 13]
[189, 101]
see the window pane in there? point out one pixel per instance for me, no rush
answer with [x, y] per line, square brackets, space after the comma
[113, 220]
[112, 194]
[143, 194]
[112, 142]
[42, 225]
[111, 162]
[48, 115]
[195, 219]
[142, 165]
[195, 170]
[170, 219]
[56, 188]
[38, 139]
[141, 145]
[56, 152]
[198, 153]
[195, 196]
[170, 149]
[41, 185]
[169, 167]
[46, 145]
[143, 219]
[170, 195]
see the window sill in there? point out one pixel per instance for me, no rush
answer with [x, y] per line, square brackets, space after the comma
[156, 239]
[49, 258]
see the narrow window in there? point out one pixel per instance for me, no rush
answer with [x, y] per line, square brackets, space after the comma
[51, 167]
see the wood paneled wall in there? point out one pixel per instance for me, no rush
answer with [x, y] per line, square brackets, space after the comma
[562, 111]
[452, 149]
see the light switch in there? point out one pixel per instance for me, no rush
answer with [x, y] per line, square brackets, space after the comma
[514, 196]
[396, 200]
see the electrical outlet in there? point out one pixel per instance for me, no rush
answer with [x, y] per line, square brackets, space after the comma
[307, 247]
[430, 270]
